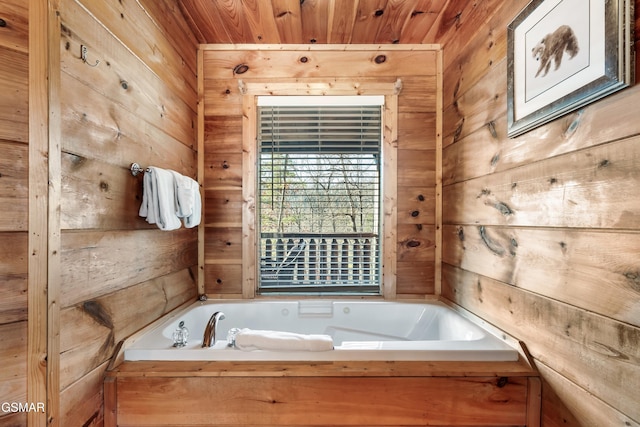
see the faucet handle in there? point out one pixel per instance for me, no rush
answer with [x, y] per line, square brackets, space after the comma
[231, 337]
[180, 335]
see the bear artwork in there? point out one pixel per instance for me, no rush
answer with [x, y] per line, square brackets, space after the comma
[552, 46]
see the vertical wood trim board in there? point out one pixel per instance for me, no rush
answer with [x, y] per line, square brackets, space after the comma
[390, 198]
[55, 199]
[249, 197]
[200, 136]
[110, 401]
[534, 401]
[38, 203]
[43, 383]
[438, 254]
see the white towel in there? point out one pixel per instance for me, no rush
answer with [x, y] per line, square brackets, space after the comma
[188, 202]
[159, 199]
[191, 191]
[184, 195]
[147, 209]
[248, 339]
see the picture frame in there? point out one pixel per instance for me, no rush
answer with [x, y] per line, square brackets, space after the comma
[565, 54]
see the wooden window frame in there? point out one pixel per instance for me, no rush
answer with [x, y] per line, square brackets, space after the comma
[251, 92]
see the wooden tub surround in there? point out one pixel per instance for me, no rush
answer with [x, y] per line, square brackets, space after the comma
[387, 393]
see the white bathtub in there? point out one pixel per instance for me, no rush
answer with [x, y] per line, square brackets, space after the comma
[361, 330]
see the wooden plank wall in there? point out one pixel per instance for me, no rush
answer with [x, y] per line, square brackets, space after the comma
[137, 105]
[281, 68]
[14, 196]
[116, 272]
[541, 233]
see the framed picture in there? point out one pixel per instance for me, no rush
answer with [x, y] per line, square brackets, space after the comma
[564, 54]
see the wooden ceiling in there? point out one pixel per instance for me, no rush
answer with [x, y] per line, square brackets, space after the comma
[316, 21]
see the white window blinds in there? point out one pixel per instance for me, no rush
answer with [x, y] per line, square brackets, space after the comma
[319, 208]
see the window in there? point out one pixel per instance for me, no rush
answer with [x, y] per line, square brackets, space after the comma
[319, 186]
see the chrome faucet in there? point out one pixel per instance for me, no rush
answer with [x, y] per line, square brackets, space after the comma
[209, 338]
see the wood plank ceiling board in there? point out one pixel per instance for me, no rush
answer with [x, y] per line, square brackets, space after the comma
[313, 21]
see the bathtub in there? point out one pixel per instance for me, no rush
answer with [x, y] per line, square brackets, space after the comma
[361, 330]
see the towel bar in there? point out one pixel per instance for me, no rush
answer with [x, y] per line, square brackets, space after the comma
[136, 169]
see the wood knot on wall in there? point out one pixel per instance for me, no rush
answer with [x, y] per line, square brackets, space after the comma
[633, 277]
[380, 59]
[98, 313]
[500, 245]
[491, 200]
[413, 243]
[240, 69]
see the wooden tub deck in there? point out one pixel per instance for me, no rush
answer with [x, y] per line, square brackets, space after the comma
[353, 393]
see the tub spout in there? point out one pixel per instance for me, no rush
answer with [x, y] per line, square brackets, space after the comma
[209, 338]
